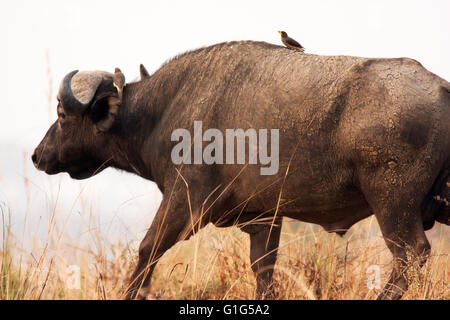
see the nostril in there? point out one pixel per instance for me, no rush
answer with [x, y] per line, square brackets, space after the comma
[34, 158]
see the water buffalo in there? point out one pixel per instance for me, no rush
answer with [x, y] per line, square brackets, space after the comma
[356, 136]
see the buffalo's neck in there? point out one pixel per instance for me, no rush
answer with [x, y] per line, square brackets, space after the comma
[133, 125]
[141, 110]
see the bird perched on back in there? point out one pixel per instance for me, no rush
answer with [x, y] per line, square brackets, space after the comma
[119, 82]
[290, 43]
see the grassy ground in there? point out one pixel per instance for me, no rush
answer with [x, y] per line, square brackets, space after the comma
[214, 264]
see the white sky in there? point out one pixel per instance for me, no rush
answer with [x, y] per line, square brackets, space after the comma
[101, 35]
[107, 34]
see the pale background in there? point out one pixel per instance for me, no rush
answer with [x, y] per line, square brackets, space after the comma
[44, 40]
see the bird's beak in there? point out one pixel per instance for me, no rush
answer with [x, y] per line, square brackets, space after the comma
[279, 32]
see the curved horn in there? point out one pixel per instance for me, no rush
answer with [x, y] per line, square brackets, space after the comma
[78, 89]
[68, 100]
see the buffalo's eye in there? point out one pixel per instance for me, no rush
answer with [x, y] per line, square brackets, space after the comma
[61, 118]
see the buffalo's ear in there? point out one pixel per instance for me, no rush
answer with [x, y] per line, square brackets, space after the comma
[104, 111]
[143, 72]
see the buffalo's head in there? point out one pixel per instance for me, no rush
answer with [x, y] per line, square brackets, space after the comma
[79, 141]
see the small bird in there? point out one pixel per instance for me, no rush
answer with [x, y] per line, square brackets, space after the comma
[143, 72]
[290, 43]
[119, 82]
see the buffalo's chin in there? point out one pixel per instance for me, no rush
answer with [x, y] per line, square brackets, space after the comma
[51, 171]
[80, 176]
[73, 173]
[84, 174]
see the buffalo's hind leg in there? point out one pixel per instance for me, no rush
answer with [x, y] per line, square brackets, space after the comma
[264, 242]
[406, 239]
[397, 209]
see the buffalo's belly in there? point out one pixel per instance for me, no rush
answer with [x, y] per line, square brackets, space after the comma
[310, 194]
[330, 207]
[338, 219]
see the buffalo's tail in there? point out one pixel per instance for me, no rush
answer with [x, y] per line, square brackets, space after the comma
[435, 206]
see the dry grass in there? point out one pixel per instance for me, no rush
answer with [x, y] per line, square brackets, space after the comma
[312, 264]
[214, 264]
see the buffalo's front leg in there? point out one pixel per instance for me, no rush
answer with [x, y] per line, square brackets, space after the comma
[169, 226]
[264, 242]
